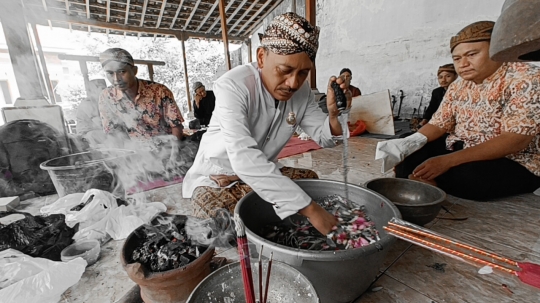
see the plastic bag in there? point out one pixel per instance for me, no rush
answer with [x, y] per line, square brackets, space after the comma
[96, 204]
[36, 236]
[36, 280]
[63, 205]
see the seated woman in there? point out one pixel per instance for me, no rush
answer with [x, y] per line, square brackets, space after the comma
[445, 75]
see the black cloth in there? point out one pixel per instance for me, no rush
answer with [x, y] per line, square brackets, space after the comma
[480, 180]
[206, 108]
[437, 96]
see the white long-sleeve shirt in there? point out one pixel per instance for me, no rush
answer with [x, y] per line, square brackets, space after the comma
[246, 134]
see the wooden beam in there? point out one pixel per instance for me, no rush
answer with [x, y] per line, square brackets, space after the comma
[47, 79]
[177, 13]
[229, 18]
[127, 13]
[151, 71]
[311, 13]
[108, 14]
[145, 5]
[210, 12]
[224, 33]
[248, 43]
[61, 18]
[182, 38]
[96, 59]
[254, 16]
[219, 19]
[193, 11]
[163, 5]
[243, 15]
[67, 12]
[88, 9]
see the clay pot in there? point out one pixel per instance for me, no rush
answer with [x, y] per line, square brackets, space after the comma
[172, 286]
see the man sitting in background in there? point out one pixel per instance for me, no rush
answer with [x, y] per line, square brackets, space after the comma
[203, 103]
[134, 108]
[346, 74]
[89, 125]
[445, 75]
[484, 140]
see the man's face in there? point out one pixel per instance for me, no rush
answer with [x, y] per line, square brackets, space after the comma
[446, 78]
[472, 61]
[282, 75]
[347, 77]
[121, 75]
[201, 91]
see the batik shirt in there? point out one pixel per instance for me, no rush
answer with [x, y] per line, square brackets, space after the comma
[153, 112]
[507, 101]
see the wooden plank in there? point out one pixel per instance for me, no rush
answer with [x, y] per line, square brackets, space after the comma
[256, 25]
[127, 14]
[376, 110]
[96, 59]
[219, 19]
[108, 18]
[87, 9]
[230, 18]
[163, 5]
[177, 13]
[224, 32]
[210, 12]
[193, 11]
[186, 73]
[48, 83]
[311, 12]
[243, 15]
[145, 5]
[253, 16]
[67, 11]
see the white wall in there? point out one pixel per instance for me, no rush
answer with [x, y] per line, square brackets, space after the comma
[393, 44]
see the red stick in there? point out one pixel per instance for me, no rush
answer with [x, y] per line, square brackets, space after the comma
[268, 277]
[245, 263]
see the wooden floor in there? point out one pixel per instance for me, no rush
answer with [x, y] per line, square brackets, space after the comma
[508, 226]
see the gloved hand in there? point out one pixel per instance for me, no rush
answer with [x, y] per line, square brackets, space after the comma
[394, 151]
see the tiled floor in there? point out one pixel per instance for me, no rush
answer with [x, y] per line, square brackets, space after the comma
[507, 226]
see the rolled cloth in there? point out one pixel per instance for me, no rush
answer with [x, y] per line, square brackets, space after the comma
[447, 68]
[116, 54]
[290, 34]
[476, 32]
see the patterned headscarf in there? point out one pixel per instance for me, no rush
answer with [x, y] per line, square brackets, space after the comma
[447, 68]
[116, 54]
[290, 34]
[476, 32]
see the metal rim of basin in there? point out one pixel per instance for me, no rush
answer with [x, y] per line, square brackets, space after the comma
[126, 152]
[348, 254]
[438, 201]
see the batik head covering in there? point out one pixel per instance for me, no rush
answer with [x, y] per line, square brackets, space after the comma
[447, 68]
[116, 54]
[290, 34]
[197, 85]
[476, 32]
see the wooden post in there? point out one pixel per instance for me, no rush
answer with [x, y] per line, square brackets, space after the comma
[311, 11]
[248, 43]
[84, 72]
[186, 73]
[151, 72]
[20, 50]
[224, 34]
[48, 83]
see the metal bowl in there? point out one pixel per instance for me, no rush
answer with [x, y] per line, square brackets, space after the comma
[419, 203]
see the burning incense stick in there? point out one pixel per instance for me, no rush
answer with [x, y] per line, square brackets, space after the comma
[260, 275]
[245, 263]
[266, 286]
[443, 249]
[462, 245]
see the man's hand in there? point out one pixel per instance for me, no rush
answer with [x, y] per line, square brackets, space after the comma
[433, 167]
[322, 220]
[423, 122]
[198, 99]
[333, 111]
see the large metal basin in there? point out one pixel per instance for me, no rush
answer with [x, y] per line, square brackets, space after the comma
[287, 285]
[339, 276]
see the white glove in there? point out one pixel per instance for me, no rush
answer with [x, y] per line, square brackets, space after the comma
[394, 151]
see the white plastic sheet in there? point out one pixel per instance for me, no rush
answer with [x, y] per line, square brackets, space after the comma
[36, 280]
[102, 218]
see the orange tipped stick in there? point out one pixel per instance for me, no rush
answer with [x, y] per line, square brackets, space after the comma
[440, 248]
[462, 245]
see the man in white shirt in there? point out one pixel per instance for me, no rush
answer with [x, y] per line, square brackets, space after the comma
[258, 108]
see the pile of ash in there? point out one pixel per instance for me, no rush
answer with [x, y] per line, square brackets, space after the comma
[355, 229]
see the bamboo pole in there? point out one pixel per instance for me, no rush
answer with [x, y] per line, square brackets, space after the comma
[224, 32]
